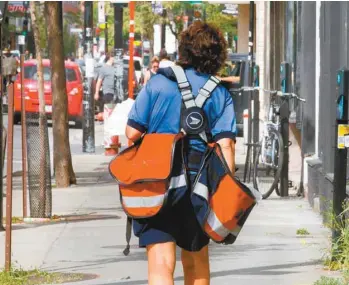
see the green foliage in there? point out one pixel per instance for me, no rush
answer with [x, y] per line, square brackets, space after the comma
[338, 256]
[69, 41]
[214, 15]
[303, 232]
[34, 277]
[329, 281]
[176, 10]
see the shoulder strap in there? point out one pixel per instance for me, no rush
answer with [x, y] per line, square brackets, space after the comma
[206, 91]
[184, 86]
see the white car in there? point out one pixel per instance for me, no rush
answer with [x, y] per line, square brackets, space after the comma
[137, 63]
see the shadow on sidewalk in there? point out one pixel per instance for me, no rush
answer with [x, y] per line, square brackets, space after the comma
[215, 252]
[272, 270]
[66, 219]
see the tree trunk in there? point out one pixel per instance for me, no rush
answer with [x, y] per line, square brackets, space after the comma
[42, 114]
[63, 167]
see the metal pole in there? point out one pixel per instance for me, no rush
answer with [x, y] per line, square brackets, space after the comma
[285, 74]
[8, 238]
[132, 35]
[24, 142]
[88, 126]
[255, 109]
[250, 59]
[106, 35]
[118, 46]
[3, 10]
[163, 29]
[340, 157]
[250, 96]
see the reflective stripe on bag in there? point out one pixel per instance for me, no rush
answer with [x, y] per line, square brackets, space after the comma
[147, 198]
[216, 228]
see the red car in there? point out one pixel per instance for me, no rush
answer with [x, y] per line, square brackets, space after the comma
[74, 86]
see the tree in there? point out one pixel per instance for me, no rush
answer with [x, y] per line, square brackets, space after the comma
[69, 41]
[145, 20]
[176, 10]
[63, 167]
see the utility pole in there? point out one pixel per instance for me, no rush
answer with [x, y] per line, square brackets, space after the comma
[23, 113]
[88, 125]
[106, 34]
[163, 28]
[131, 41]
[3, 9]
[118, 47]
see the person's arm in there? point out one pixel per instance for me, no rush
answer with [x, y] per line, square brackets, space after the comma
[231, 79]
[224, 129]
[133, 134]
[228, 150]
[98, 87]
[146, 77]
[138, 118]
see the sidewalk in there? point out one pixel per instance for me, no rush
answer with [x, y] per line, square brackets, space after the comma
[268, 251]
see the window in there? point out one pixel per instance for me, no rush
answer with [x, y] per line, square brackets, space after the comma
[30, 72]
[236, 69]
[136, 64]
[70, 74]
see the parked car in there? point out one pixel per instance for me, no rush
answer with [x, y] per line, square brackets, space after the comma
[238, 65]
[73, 84]
[138, 66]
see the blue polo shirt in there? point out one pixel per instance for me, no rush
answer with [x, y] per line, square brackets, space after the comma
[158, 106]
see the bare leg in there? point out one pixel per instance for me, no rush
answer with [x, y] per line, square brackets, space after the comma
[161, 263]
[196, 267]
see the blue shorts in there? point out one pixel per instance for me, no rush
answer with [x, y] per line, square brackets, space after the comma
[176, 223]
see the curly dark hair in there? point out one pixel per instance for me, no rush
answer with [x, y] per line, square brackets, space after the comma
[203, 47]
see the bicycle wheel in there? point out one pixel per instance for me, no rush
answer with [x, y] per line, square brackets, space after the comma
[265, 177]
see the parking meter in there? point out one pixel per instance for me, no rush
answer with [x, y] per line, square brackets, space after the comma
[285, 77]
[342, 87]
[340, 151]
[256, 76]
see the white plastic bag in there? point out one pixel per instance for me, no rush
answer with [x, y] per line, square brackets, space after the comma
[116, 123]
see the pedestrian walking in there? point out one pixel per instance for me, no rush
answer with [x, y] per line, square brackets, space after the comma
[153, 69]
[106, 80]
[157, 110]
[164, 59]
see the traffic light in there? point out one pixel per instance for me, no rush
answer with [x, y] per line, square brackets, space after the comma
[25, 27]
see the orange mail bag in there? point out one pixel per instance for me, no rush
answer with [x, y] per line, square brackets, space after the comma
[146, 171]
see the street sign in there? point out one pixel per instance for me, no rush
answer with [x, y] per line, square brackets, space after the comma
[75, 30]
[21, 40]
[157, 7]
[101, 12]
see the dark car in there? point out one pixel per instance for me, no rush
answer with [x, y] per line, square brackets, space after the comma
[238, 65]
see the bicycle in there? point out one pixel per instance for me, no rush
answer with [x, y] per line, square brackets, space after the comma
[269, 157]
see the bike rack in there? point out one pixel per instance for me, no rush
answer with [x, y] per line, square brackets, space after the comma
[253, 123]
